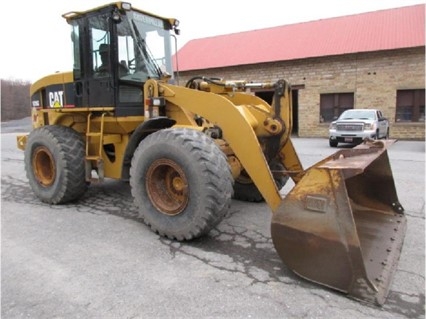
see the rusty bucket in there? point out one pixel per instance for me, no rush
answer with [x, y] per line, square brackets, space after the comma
[342, 225]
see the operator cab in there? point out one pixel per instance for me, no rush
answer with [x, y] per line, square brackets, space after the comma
[116, 49]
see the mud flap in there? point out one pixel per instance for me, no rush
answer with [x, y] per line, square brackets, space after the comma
[342, 225]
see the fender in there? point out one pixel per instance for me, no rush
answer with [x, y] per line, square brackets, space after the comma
[142, 131]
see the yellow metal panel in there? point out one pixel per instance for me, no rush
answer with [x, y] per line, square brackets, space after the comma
[21, 141]
[56, 78]
[237, 130]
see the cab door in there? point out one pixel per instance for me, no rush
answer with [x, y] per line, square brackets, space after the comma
[92, 88]
[100, 79]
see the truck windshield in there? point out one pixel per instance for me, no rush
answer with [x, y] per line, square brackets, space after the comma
[144, 47]
[358, 114]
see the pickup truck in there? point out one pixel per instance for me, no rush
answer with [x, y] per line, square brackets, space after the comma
[355, 125]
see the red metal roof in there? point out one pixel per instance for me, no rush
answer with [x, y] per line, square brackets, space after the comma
[374, 31]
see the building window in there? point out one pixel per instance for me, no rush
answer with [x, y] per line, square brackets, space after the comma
[333, 104]
[410, 106]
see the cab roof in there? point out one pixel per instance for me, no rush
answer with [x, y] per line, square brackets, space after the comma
[120, 5]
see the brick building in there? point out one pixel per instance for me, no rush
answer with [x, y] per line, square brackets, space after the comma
[370, 60]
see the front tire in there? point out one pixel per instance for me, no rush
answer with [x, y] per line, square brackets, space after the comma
[246, 190]
[55, 164]
[387, 134]
[332, 143]
[181, 183]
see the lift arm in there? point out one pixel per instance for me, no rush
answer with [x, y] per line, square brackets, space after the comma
[239, 128]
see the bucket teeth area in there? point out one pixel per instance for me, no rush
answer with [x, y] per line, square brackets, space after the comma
[342, 225]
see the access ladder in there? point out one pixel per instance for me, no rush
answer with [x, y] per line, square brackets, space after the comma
[97, 155]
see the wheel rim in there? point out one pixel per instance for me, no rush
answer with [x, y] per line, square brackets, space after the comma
[44, 166]
[167, 187]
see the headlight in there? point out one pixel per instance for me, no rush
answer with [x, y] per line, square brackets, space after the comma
[332, 126]
[369, 126]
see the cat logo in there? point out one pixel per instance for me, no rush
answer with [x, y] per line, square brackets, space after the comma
[56, 99]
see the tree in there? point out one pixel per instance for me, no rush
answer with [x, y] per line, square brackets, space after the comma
[15, 99]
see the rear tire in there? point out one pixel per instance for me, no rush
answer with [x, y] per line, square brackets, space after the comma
[181, 183]
[55, 164]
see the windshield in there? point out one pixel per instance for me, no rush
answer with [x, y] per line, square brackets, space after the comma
[357, 114]
[144, 46]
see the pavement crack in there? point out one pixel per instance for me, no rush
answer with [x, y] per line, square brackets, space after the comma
[250, 253]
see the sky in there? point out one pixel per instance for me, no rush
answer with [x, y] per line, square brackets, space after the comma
[35, 38]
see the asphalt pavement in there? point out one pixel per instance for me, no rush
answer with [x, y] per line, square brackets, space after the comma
[96, 259]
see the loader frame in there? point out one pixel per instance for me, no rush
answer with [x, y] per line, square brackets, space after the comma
[138, 125]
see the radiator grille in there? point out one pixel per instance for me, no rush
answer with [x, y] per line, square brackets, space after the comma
[350, 127]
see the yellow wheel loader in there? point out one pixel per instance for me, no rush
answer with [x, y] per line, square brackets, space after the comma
[188, 150]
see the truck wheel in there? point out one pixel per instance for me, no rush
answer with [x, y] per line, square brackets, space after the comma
[332, 143]
[54, 162]
[246, 190]
[181, 183]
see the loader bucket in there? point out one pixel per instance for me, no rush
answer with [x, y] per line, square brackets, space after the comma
[342, 225]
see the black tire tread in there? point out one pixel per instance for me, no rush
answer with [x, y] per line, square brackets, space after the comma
[214, 169]
[250, 193]
[71, 149]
